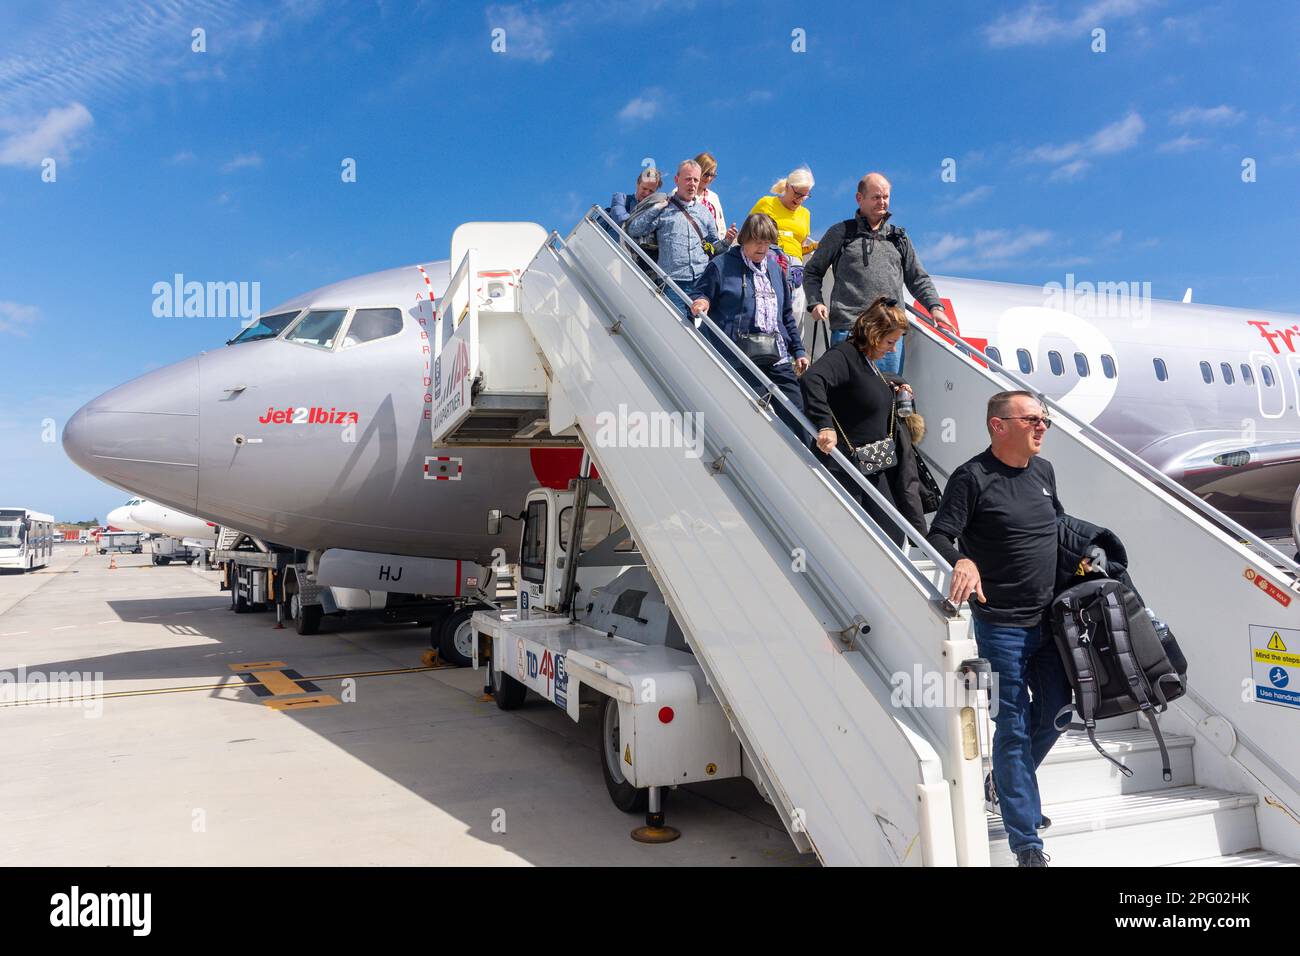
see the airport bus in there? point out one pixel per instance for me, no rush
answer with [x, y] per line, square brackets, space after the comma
[26, 539]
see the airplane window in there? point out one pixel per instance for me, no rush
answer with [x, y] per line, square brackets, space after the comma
[370, 324]
[1107, 366]
[1226, 369]
[993, 353]
[1207, 373]
[1247, 375]
[1162, 373]
[266, 327]
[1054, 360]
[318, 328]
[1026, 363]
[1081, 363]
[1266, 374]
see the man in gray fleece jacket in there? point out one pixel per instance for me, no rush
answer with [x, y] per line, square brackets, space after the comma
[871, 258]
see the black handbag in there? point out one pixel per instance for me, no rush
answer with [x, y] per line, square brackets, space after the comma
[759, 347]
[874, 456]
[931, 495]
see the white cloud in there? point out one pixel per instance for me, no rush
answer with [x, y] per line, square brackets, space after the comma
[969, 197]
[242, 161]
[15, 317]
[1113, 238]
[184, 156]
[984, 249]
[1036, 23]
[642, 108]
[526, 31]
[53, 135]
[1182, 144]
[1113, 138]
[1070, 171]
[1212, 116]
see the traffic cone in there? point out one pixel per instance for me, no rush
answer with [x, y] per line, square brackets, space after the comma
[85, 551]
[112, 562]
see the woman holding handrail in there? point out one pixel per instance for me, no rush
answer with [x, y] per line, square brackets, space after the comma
[748, 297]
[855, 407]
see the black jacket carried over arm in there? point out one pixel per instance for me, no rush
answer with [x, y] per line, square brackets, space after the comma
[1075, 538]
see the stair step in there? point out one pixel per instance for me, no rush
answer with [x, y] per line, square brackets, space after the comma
[1247, 858]
[1154, 828]
[1074, 770]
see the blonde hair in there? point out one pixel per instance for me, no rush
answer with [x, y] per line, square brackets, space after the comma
[800, 177]
[708, 165]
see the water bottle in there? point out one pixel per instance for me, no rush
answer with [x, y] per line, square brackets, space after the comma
[905, 405]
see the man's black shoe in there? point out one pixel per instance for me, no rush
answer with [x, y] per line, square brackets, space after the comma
[1044, 823]
[1032, 857]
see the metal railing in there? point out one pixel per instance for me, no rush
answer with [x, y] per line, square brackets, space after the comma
[1114, 448]
[664, 284]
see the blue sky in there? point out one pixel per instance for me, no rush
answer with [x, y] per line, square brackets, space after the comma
[224, 165]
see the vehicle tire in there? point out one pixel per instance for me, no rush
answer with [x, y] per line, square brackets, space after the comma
[164, 561]
[626, 797]
[189, 562]
[155, 560]
[508, 692]
[306, 618]
[456, 638]
[240, 602]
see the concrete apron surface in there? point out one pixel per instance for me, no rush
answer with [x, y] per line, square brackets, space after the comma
[130, 739]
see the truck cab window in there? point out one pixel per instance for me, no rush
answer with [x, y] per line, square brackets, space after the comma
[532, 555]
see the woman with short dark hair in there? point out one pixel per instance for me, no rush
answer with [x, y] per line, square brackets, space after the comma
[854, 406]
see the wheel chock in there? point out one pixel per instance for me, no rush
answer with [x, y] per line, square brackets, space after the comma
[430, 658]
[654, 834]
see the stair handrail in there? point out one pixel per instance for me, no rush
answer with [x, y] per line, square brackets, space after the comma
[1098, 437]
[939, 592]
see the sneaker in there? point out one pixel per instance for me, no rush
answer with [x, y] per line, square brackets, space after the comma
[1044, 823]
[1032, 857]
[990, 796]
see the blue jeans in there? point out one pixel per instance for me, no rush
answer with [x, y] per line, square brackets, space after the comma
[687, 286]
[891, 364]
[1027, 662]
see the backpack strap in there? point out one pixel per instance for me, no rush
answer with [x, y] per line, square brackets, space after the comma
[852, 230]
[1138, 687]
[1074, 627]
[692, 220]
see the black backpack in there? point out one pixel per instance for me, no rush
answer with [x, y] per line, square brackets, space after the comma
[853, 230]
[1117, 658]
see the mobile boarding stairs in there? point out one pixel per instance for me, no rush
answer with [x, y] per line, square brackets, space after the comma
[811, 627]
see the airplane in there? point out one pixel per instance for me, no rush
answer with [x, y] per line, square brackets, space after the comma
[139, 514]
[1209, 395]
[311, 427]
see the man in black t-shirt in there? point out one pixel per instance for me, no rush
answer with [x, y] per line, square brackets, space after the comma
[1002, 507]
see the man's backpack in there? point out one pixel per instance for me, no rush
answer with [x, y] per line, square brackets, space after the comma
[1117, 659]
[853, 230]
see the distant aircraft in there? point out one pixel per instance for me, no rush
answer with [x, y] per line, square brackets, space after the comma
[139, 514]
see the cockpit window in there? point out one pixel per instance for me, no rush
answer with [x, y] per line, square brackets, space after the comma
[266, 327]
[370, 324]
[318, 328]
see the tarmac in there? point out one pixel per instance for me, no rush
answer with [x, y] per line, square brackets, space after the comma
[146, 724]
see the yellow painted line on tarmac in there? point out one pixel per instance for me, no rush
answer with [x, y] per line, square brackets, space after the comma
[257, 665]
[303, 703]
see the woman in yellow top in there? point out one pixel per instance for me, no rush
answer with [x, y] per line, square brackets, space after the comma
[793, 223]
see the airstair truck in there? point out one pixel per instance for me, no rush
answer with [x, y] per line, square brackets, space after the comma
[802, 615]
[591, 626]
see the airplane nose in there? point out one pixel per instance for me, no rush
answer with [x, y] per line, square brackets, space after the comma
[143, 436]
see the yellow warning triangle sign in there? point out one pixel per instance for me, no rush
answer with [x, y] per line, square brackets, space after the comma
[1276, 643]
[627, 754]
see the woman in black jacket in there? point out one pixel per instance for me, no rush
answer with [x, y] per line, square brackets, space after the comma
[852, 403]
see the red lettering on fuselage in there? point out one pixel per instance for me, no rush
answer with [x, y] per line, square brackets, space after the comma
[1271, 335]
